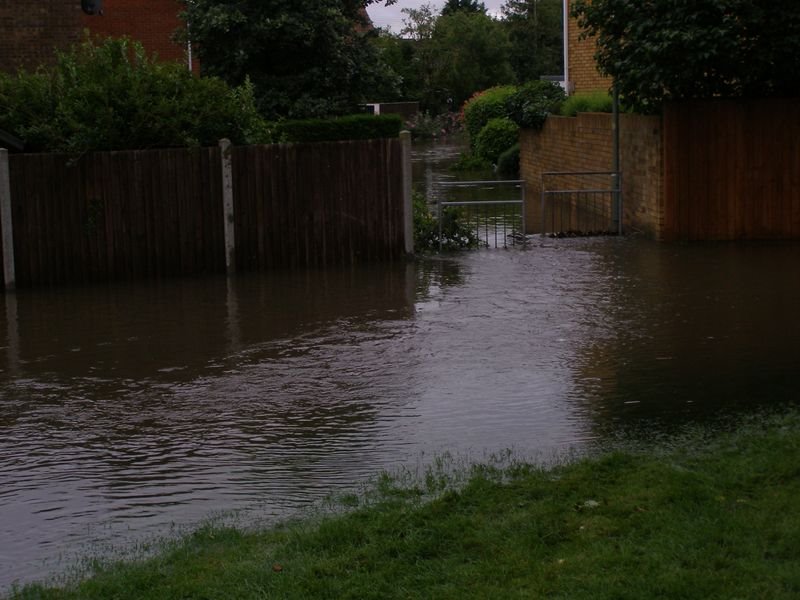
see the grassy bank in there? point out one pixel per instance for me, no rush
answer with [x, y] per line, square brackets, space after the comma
[702, 516]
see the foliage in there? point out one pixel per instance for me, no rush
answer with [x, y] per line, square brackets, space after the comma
[468, 6]
[661, 50]
[472, 52]
[306, 58]
[497, 136]
[535, 30]
[508, 162]
[527, 105]
[452, 56]
[455, 235]
[485, 105]
[468, 161]
[703, 515]
[351, 127]
[530, 104]
[419, 22]
[423, 125]
[587, 102]
[400, 56]
[112, 96]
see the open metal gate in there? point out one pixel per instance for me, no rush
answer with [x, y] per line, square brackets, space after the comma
[581, 203]
[494, 210]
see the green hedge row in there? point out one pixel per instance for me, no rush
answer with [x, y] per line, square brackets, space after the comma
[353, 127]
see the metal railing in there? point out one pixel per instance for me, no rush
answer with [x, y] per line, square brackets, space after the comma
[581, 204]
[497, 222]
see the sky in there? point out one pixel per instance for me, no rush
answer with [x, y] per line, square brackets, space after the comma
[390, 16]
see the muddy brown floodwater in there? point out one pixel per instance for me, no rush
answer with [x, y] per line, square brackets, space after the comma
[129, 409]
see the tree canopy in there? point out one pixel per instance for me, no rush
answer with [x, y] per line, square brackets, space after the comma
[535, 30]
[658, 50]
[469, 6]
[305, 57]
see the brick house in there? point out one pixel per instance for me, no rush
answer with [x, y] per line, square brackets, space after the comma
[31, 32]
[581, 72]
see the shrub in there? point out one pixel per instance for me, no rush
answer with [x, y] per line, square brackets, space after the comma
[112, 96]
[455, 235]
[353, 127]
[508, 162]
[495, 138]
[530, 104]
[587, 102]
[483, 106]
[468, 161]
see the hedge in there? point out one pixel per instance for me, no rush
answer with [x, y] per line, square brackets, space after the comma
[353, 127]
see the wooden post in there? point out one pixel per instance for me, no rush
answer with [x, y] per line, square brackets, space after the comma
[408, 208]
[9, 275]
[227, 206]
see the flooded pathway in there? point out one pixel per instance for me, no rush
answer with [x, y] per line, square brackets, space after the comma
[127, 410]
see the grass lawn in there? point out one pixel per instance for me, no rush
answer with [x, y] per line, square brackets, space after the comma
[707, 515]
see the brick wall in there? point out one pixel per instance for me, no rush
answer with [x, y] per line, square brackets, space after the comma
[31, 31]
[152, 22]
[583, 72]
[585, 143]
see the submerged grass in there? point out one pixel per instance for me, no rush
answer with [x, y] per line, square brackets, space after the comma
[701, 516]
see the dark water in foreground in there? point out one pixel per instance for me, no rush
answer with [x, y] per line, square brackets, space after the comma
[128, 409]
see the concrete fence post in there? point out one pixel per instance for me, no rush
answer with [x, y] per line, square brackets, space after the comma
[408, 216]
[227, 206]
[9, 274]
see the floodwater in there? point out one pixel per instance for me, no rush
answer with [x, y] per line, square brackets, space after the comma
[128, 410]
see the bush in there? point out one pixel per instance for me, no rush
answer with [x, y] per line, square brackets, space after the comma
[587, 102]
[353, 127]
[530, 104]
[455, 235]
[483, 106]
[112, 96]
[495, 138]
[468, 161]
[508, 162]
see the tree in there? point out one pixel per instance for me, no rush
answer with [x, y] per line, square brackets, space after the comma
[472, 53]
[535, 29]
[304, 57]
[659, 50]
[419, 22]
[468, 6]
[400, 55]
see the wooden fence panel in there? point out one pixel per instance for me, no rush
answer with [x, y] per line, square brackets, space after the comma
[119, 215]
[116, 215]
[312, 205]
[732, 169]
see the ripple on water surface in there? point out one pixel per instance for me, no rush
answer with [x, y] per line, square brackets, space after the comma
[128, 409]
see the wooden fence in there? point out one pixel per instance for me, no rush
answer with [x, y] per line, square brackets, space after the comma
[317, 204]
[120, 215]
[732, 169]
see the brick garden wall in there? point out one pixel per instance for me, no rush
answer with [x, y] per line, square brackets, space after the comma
[585, 143]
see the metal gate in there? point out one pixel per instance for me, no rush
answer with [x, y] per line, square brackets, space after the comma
[581, 203]
[494, 210]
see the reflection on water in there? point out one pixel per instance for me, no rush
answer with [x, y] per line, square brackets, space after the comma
[126, 409]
